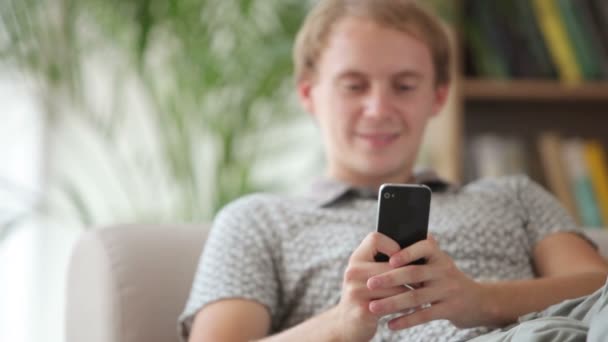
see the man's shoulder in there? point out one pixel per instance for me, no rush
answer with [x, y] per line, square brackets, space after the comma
[501, 190]
[262, 202]
[259, 213]
[502, 183]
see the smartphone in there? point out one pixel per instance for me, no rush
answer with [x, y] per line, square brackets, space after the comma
[403, 214]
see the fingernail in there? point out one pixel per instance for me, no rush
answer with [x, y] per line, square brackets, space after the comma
[375, 307]
[395, 261]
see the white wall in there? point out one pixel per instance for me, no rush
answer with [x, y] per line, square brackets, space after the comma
[20, 155]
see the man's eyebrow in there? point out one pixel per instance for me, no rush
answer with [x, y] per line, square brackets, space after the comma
[408, 74]
[350, 74]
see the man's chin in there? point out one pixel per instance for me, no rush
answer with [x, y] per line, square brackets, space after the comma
[382, 169]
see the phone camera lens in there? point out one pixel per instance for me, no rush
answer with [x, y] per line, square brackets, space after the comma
[387, 195]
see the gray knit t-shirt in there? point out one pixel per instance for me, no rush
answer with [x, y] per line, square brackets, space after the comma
[290, 253]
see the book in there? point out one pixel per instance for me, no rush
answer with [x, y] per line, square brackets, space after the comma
[480, 34]
[585, 53]
[594, 34]
[580, 182]
[514, 159]
[597, 164]
[527, 26]
[486, 156]
[599, 11]
[562, 52]
[506, 38]
[549, 147]
[495, 156]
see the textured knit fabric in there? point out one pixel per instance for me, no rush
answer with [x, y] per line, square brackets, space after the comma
[579, 319]
[290, 253]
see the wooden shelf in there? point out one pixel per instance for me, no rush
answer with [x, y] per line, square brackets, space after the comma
[533, 90]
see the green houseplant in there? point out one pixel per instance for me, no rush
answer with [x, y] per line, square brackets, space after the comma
[209, 78]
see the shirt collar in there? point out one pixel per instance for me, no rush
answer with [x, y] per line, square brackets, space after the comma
[326, 191]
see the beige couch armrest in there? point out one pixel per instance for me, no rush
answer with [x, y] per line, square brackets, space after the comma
[600, 237]
[130, 283]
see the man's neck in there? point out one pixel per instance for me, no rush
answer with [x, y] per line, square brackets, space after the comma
[371, 181]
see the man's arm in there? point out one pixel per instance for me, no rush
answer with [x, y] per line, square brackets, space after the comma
[568, 267]
[322, 327]
[231, 320]
[237, 320]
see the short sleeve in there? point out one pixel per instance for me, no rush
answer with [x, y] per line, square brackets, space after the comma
[237, 262]
[543, 213]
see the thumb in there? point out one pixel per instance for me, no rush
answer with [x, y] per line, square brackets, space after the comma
[375, 243]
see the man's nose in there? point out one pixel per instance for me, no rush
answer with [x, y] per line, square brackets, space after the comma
[378, 104]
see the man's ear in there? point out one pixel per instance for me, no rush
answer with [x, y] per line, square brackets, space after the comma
[305, 88]
[442, 93]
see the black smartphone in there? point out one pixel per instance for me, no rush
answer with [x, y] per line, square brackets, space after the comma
[403, 214]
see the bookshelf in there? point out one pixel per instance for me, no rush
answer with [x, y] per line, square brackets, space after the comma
[524, 109]
[515, 106]
[533, 90]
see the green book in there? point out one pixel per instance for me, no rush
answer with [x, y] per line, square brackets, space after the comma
[512, 40]
[486, 59]
[593, 32]
[528, 24]
[585, 52]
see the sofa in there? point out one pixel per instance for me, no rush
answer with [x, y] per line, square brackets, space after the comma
[129, 283]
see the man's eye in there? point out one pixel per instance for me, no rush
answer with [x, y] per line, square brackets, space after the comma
[354, 87]
[404, 87]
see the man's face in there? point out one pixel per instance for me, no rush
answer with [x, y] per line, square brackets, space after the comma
[372, 96]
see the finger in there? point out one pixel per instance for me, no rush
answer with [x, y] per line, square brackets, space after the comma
[404, 301]
[420, 316]
[362, 293]
[362, 271]
[373, 244]
[411, 274]
[386, 293]
[421, 249]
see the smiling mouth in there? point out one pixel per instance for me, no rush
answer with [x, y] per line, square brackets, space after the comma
[378, 140]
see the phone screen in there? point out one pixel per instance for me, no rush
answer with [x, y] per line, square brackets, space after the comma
[403, 214]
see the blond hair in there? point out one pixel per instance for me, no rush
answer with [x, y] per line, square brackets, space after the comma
[403, 15]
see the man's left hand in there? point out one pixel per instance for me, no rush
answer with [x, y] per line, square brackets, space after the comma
[452, 294]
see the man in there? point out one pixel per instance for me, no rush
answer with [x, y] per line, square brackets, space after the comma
[372, 73]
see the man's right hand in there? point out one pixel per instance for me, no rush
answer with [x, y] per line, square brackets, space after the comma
[355, 320]
[350, 320]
